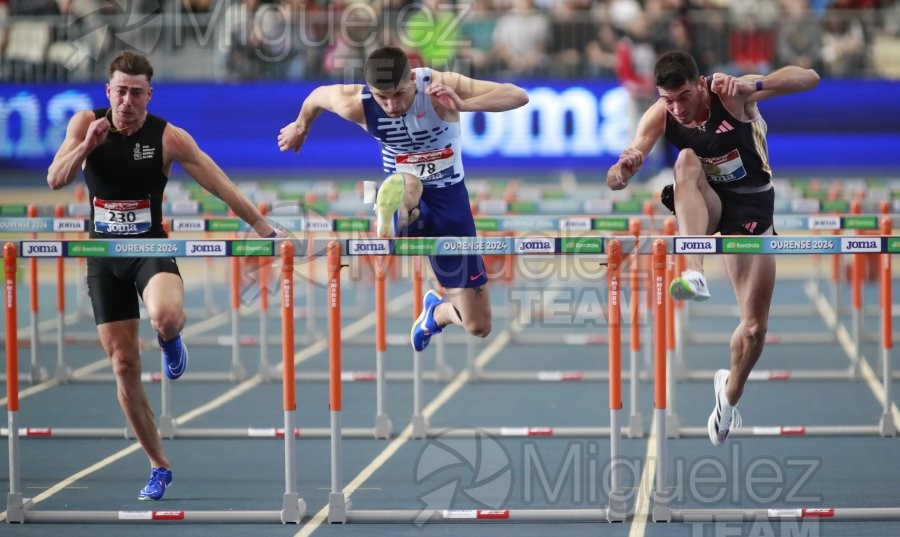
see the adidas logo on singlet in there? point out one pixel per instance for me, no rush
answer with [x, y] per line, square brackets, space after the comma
[724, 126]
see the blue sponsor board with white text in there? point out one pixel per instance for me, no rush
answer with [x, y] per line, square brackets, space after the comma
[566, 125]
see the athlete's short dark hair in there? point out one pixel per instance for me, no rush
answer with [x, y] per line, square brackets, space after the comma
[675, 68]
[133, 64]
[386, 68]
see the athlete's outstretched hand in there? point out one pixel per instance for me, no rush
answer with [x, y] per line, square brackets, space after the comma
[445, 96]
[96, 134]
[630, 161]
[291, 137]
[728, 85]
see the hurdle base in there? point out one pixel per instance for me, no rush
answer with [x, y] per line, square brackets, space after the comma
[167, 426]
[888, 428]
[63, 374]
[444, 373]
[337, 508]
[618, 509]
[293, 509]
[419, 426]
[662, 506]
[268, 373]
[39, 374]
[237, 374]
[16, 506]
[635, 426]
[383, 427]
[673, 426]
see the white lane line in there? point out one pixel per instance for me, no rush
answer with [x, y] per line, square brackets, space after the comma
[308, 352]
[452, 388]
[846, 340]
[648, 477]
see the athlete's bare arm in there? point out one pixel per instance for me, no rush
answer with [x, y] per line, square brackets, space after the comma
[180, 147]
[649, 130]
[341, 99]
[460, 93]
[83, 135]
[737, 93]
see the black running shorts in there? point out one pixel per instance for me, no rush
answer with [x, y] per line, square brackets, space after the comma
[746, 214]
[114, 284]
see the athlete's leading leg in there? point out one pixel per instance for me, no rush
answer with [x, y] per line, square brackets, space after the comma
[699, 211]
[697, 206]
[469, 308]
[164, 298]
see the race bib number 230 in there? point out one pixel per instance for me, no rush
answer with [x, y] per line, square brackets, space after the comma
[121, 217]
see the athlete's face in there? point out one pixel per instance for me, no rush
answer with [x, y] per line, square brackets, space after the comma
[397, 101]
[128, 97]
[687, 102]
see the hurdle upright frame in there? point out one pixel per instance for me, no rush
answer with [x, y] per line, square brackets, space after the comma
[20, 509]
[340, 509]
[662, 510]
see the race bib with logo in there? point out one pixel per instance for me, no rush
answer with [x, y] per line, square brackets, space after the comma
[724, 169]
[427, 165]
[122, 217]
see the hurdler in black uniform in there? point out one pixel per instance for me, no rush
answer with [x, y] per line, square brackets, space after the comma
[735, 158]
[125, 180]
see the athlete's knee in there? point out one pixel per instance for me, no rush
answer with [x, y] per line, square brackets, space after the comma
[687, 167]
[478, 327]
[168, 322]
[125, 365]
[755, 331]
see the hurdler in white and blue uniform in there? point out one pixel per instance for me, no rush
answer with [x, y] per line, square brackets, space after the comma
[414, 115]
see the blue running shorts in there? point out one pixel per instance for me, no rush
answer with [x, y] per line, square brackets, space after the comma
[445, 212]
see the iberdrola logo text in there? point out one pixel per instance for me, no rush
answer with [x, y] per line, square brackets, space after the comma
[742, 244]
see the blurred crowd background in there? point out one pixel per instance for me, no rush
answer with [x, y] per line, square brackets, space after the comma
[248, 40]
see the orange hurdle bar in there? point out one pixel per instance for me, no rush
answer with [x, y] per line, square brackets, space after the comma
[888, 427]
[614, 261]
[62, 371]
[617, 507]
[287, 325]
[337, 502]
[12, 328]
[334, 324]
[660, 498]
[659, 323]
[237, 369]
[37, 373]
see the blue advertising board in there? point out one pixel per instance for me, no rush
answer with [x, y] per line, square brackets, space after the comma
[567, 125]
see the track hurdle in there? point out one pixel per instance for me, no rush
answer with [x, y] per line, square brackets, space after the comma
[21, 510]
[773, 245]
[339, 507]
[823, 304]
[662, 510]
[167, 424]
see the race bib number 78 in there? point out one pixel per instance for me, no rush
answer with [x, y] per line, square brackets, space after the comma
[427, 165]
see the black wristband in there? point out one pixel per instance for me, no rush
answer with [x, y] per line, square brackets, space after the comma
[272, 235]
